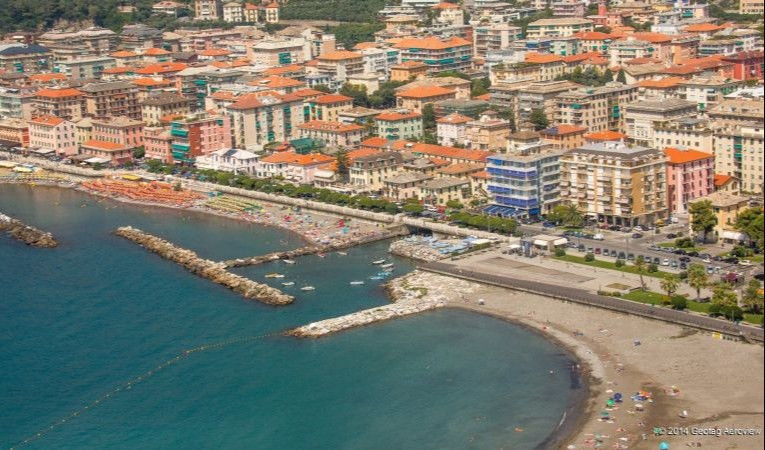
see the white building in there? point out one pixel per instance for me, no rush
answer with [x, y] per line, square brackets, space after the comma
[229, 160]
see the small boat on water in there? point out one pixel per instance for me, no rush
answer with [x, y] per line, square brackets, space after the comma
[321, 255]
[379, 261]
[307, 288]
[388, 266]
[356, 283]
[289, 261]
[342, 253]
[376, 277]
[383, 274]
[288, 283]
[274, 275]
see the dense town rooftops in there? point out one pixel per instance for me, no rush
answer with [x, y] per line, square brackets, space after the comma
[425, 92]
[660, 105]
[682, 156]
[58, 93]
[329, 99]
[431, 43]
[50, 121]
[455, 118]
[339, 55]
[394, 116]
[333, 127]
[310, 159]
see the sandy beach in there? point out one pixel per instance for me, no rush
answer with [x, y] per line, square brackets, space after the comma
[717, 382]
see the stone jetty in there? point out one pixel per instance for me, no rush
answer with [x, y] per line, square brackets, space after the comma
[414, 250]
[212, 270]
[411, 294]
[26, 233]
[312, 249]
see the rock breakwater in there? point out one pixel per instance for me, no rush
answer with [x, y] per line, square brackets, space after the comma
[414, 250]
[411, 294]
[26, 233]
[212, 270]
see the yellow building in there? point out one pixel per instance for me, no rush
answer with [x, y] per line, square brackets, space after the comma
[727, 207]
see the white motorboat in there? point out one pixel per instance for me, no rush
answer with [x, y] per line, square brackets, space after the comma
[289, 261]
[356, 283]
[288, 283]
[379, 261]
[307, 288]
[274, 275]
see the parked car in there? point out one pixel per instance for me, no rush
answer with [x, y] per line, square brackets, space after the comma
[665, 262]
[630, 257]
[622, 255]
[671, 236]
[744, 263]
[710, 270]
[693, 254]
[656, 260]
[605, 252]
[673, 263]
[597, 250]
[581, 248]
[683, 266]
[680, 251]
[685, 259]
[637, 235]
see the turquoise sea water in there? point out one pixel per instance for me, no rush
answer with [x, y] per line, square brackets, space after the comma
[82, 319]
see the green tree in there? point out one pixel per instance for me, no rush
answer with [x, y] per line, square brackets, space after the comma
[479, 86]
[323, 88]
[538, 118]
[750, 221]
[640, 266]
[697, 278]
[454, 204]
[704, 219]
[608, 76]
[621, 77]
[428, 117]
[139, 152]
[752, 297]
[413, 208]
[357, 92]
[385, 96]
[568, 214]
[670, 284]
[724, 296]
[342, 165]
[350, 34]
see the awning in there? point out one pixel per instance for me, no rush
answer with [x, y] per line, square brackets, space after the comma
[734, 235]
[499, 210]
[540, 242]
[8, 164]
[515, 246]
[561, 241]
[97, 160]
[44, 151]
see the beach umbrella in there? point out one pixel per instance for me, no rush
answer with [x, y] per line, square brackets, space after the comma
[663, 446]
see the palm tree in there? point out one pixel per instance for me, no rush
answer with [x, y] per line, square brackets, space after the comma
[670, 284]
[640, 266]
[571, 215]
[697, 278]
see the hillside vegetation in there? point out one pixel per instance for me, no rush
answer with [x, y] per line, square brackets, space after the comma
[340, 10]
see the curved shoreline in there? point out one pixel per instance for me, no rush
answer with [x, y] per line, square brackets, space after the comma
[579, 409]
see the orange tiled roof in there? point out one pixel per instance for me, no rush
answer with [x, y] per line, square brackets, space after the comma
[394, 115]
[703, 28]
[46, 120]
[639, 61]
[151, 82]
[161, 68]
[339, 55]
[432, 43]
[592, 36]
[46, 77]
[123, 54]
[409, 65]
[58, 93]
[220, 64]
[605, 136]
[374, 142]
[328, 99]
[117, 70]
[365, 45]
[663, 83]
[272, 5]
[155, 52]
[450, 152]
[425, 92]
[722, 179]
[249, 101]
[281, 70]
[482, 175]
[335, 127]
[275, 82]
[445, 5]
[103, 145]
[677, 156]
[564, 129]
[308, 92]
[581, 57]
[485, 97]
[362, 152]
[542, 58]
[455, 118]
[654, 38]
[296, 159]
[214, 52]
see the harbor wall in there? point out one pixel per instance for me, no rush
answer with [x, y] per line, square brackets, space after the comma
[26, 233]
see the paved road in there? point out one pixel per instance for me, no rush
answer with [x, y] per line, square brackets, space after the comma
[599, 301]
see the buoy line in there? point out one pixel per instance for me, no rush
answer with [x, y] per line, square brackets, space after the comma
[183, 354]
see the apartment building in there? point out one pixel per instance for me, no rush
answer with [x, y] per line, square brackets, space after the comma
[731, 112]
[333, 134]
[438, 54]
[208, 10]
[750, 7]
[370, 172]
[327, 107]
[50, 132]
[410, 70]
[595, 108]
[399, 125]
[450, 129]
[525, 181]
[21, 58]
[199, 134]
[340, 64]
[14, 132]
[107, 152]
[404, 186]
[440, 191]
[488, 133]
[261, 118]
[119, 130]
[564, 137]
[690, 175]
[739, 153]
[707, 92]
[684, 133]
[558, 27]
[494, 37]
[164, 104]
[66, 103]
[113, 98]
[541, 95]
[17, 102]
[292, 166]
[641, 117]
[415, 99]
[276, 52]
[616, 183]
[158, 143]
[85, 68]
[628, 49]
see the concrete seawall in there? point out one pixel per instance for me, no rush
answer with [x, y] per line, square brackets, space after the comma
[211, 270]
[26, 233]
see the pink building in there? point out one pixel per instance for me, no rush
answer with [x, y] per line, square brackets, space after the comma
[199, 134]
[51, 132]
[690, 175]
[110, 152]
[157, 143]
[119, 130]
